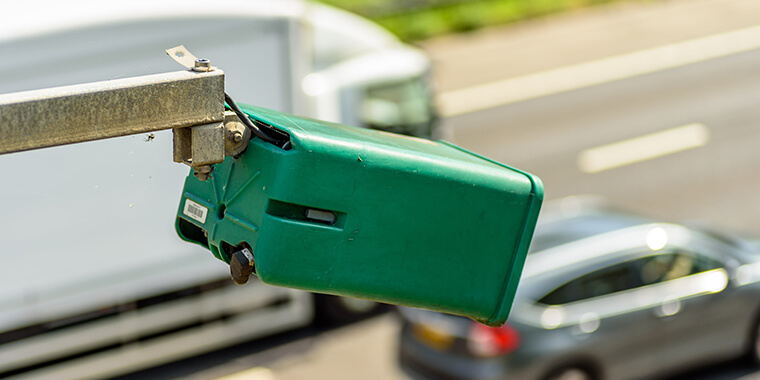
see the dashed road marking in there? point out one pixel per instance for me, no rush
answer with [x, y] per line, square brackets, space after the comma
[257, 373]
[643, 148]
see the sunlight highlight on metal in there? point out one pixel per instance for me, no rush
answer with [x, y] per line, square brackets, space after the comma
[589, 322]
[657, 239]
[748, 274]
[715, 281]
[670, 306]
[552, 317]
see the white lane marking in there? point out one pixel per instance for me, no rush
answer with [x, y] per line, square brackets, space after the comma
[643, 148]
[257, 373]
[588, 74]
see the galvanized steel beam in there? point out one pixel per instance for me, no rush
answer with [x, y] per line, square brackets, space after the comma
[99, 110]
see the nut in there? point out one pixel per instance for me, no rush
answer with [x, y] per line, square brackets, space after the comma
[236, 135]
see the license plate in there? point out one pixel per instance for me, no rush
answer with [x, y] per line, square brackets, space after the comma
[432, 336]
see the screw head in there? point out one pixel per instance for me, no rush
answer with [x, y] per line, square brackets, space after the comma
[203, 65]
[202, 62]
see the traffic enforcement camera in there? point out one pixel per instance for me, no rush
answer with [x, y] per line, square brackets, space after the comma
[340, 210]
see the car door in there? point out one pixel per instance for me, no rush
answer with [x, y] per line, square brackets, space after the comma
[602, 315]
[696, 312]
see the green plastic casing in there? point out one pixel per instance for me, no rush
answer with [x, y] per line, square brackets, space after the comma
[417, 223]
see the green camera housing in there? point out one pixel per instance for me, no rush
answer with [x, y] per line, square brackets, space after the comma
[369, 214]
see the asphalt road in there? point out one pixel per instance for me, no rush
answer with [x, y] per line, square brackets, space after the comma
[718, 182]
[361, 350]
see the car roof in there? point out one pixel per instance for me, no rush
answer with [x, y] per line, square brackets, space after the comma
[559, 232]
[578, 217]
[606, 247]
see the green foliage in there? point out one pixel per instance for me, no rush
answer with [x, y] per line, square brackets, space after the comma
[413, 20]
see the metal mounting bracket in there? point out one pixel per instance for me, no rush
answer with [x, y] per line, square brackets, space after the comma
[189, 102]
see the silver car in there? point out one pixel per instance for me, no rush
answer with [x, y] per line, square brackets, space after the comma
[604, 296]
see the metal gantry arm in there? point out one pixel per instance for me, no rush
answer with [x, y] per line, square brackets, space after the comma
[189, 102]
[99, 110]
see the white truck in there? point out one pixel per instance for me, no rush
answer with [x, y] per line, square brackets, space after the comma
[94, 280]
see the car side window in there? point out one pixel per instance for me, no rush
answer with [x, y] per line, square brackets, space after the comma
[704, 263]
[673, 265]
[612, 279]
[631, 274]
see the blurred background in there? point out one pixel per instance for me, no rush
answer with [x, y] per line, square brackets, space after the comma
[633, 113]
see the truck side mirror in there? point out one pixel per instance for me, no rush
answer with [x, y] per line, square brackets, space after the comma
[368, 214]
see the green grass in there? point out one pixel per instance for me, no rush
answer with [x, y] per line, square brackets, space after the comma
[422, 19]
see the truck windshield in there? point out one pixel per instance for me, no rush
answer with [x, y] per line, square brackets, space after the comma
[401, 107]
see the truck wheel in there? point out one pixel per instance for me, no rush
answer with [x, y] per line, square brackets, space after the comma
[333, 310]
[754, 348]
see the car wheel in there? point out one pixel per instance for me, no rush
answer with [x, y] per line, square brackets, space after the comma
[569, 373]
[339, 310]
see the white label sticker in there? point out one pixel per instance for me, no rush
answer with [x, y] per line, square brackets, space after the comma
[195, 211]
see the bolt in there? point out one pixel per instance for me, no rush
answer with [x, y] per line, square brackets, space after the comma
[202, 172]
[237, 136]
[242, 265]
